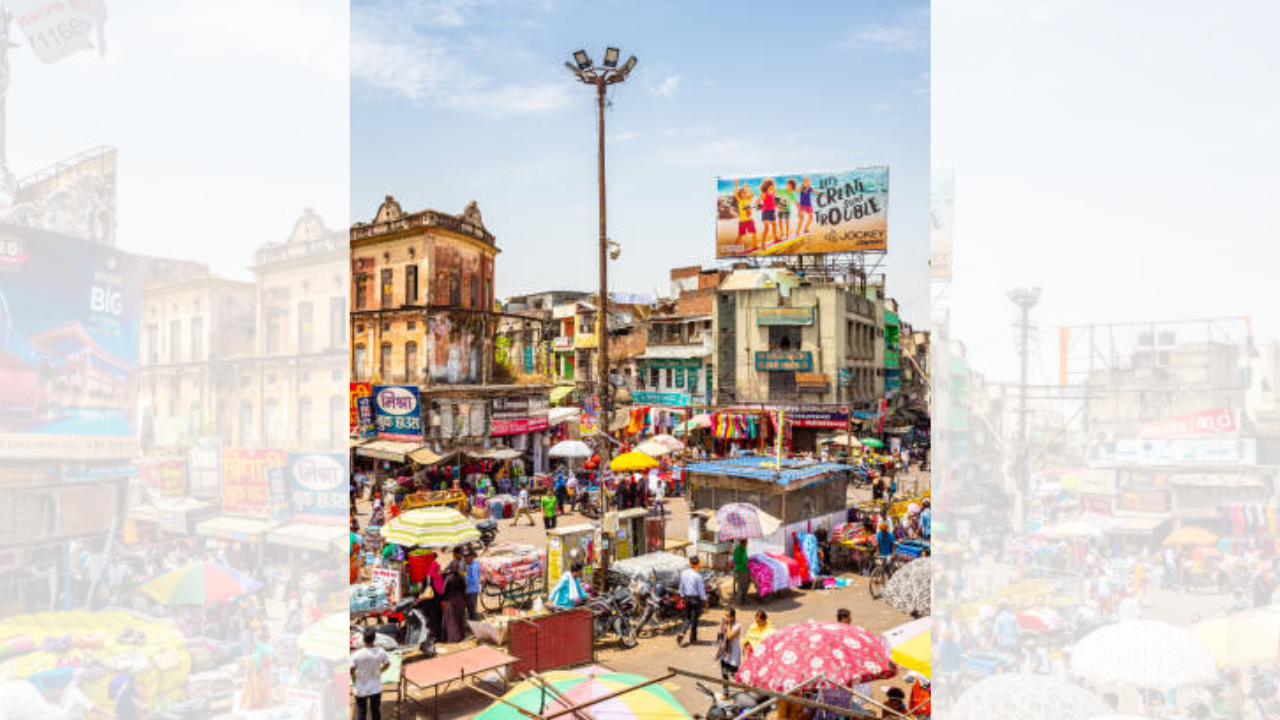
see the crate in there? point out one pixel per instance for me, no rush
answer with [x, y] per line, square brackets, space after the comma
[556, 640]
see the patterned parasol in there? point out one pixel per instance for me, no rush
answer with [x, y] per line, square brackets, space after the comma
[742, 521]
[583, 685]
[1019, 696]
[844, 654]
[910, 588]
[1144, 654]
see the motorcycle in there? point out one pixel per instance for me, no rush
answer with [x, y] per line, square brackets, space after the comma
[488, 532]
[611, 613]
[661, 605]
[711, 579]
[405, 626]
[730, 706]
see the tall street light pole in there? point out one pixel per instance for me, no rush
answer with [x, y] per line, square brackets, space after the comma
[602, 76]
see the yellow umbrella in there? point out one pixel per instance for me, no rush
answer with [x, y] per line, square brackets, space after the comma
[1240, 640]
[632, 462]
[1190, 536]
[910, 645]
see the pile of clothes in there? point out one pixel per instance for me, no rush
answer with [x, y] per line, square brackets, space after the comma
[770, 573]
[506, 563]
[735, 426]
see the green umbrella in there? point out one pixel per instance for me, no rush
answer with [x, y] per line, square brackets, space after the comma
[430, 527]
[652, 702]
[872, 442]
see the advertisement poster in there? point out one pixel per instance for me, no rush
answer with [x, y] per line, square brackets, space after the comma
[801, 214]
[1205, 422]
[389, 577]
[204, 468]
[69, 319]
[249, 487]
[167, 476]
[397, 414]
[519, 415]
[362, 409]
[317, 483]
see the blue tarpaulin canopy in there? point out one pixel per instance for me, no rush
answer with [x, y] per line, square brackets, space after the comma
[766, 469]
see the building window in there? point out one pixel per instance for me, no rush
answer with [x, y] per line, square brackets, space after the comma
[304, 422]
[475, 291]
[670, 378]
[413, 325]
[197, 339]
[410, 361]
[271, 424]
[153, 343]
[362, 292]
[654, 379]
[338, 322]
[410, 284]
[488, 293]
[388, 287]
[384, 360]
[246, 423]
[362, 357]
[306, 326]
[175, 341]
[275, 319]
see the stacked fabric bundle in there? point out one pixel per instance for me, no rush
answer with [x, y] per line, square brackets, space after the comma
[506, 563]
[809, 548]
[496, 506]
[794, 571]
[769, 573]
[211, 684]
[663, 566]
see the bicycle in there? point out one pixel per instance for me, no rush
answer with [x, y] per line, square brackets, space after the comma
[883, 569]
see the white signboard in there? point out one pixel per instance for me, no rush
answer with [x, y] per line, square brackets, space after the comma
[1197, 451]
[56, 28]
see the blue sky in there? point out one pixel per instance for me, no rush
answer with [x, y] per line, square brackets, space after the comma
[453, 100]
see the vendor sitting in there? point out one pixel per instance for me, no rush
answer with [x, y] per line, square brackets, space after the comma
[568, 592]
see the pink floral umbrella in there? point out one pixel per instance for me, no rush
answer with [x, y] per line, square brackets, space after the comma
[844, 654]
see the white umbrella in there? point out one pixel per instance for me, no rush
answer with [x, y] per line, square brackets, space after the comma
[570, 449]
[503, 454]
[910, 588]
[670, 443]
[1072, 529]
[1019, 696]
[1144, 654]
[653, 449]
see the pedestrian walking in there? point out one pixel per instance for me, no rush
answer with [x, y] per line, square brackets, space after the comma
[694, 591]
[548, 511]
[454, 599]
[473, 584]
[367, 666]
[522, 507]
[741, 572]
[729, 646]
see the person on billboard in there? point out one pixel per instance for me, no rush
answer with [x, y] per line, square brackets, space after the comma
[787, 201]
[768, 211]
[805, 219]
[746, 225]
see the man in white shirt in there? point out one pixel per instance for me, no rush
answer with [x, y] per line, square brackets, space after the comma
[367, 667]
[694, 591]
[522, 507]
[657, 491]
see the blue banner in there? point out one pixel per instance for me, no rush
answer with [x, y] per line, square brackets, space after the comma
[318, 485]
[397, 412]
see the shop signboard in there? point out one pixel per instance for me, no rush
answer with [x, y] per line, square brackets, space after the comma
[1098, 504]
[252, 482]
[1217, 421]
[70, 312]
[362, 409]
[784, 315]
[1148, 501]
[670, 399]
[784, 361]
[204, 462]
[172, 519]
[803, 213]
[397, 413]
[826, 418]
[1180, 451]
[318, 488]
[845, 376]
[167, 476]
[390, 578]
[519, 415]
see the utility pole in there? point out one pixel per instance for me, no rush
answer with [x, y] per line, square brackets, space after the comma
[1025, 299]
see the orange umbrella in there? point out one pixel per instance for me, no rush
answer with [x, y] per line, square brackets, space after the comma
[1190, 537]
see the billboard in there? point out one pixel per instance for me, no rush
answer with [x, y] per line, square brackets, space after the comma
[519, 415]
[69, 328]
[397, 412]
[802, 214]
[317, 482]
[169, 477]
[253, 482]
[1205, 422]
[362, 410]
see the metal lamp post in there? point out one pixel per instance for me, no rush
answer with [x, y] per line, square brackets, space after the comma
[600, 77]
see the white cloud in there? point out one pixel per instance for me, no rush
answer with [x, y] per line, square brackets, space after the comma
[408, 51]
[669, 87]
[881, 107]
[910, 33]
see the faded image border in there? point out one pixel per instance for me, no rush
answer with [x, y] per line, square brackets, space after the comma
[172, 452]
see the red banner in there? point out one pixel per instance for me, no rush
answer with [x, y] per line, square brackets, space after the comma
[518, 426]
[168, 476]
[247, 476]
[1206, 422]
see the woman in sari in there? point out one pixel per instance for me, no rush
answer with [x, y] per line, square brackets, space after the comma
[454, 599]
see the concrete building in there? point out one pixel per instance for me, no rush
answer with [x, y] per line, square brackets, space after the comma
[782, 339]
[423, 314]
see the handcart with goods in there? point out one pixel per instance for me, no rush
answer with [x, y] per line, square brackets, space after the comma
[455, 499]
[512, 575]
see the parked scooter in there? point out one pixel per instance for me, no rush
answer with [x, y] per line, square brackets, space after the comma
[488, 531]
[405, 626]
[611, 613]
[661, 605]
[732, 705]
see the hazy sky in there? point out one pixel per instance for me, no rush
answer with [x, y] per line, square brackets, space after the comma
[1122, 156]
[229, 118]
[465, 99]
